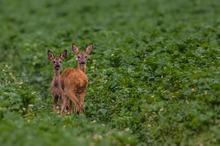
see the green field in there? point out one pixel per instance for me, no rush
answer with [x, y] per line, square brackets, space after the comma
[154, 72]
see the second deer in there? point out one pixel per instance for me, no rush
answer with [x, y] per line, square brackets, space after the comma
[56, 89]
[74, 80]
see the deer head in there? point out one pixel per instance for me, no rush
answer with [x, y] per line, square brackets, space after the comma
[57, 61]
[82, 56]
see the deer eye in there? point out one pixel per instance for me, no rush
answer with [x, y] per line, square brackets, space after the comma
[78, 57]
[60, 61]
[53, 61]
[85, 56]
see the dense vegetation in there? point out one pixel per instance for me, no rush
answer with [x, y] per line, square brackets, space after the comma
[154, 73]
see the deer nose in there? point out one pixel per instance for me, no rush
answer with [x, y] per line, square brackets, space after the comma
[57, 65]
[83, 62]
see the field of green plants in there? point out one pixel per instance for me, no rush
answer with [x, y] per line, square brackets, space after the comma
[154, 72]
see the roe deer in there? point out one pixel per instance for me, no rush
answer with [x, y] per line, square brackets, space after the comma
[56, 89]
[74, 81]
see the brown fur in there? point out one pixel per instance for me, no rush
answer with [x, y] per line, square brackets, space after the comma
[56, 89]
[74, 81]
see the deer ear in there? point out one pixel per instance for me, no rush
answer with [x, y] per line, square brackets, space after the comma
[75, 49]
[89, 48]
[50, 55]
[63, 55]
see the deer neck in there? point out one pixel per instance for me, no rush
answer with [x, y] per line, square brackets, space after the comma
[56, 78]
[82, 67]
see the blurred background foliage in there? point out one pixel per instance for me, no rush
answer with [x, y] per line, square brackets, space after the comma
[153, 73]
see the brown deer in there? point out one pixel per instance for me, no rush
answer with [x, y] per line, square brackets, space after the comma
[56, 89]
[74, 81]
